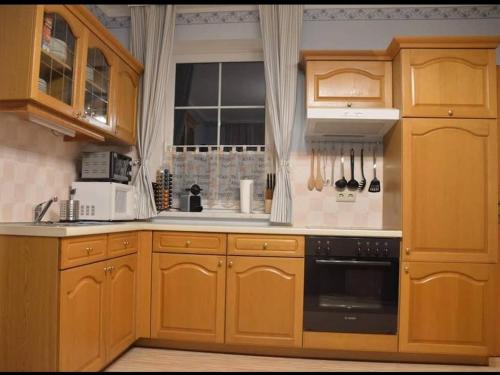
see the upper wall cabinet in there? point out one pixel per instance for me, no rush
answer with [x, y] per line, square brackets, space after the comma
[449, 83]
[69, 72]
[349, 84]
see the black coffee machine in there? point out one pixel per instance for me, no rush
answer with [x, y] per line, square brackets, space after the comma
[191, 200]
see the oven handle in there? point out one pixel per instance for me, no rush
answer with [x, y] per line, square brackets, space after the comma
[353, 262]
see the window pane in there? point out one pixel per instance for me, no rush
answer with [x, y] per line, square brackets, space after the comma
[196, 84]
[242, 126]
[243, 83]
[195, 127]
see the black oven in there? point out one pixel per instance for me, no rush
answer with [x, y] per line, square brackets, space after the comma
[351, 284]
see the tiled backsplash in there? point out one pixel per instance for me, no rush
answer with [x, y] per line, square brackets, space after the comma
[314, 208]
[36, 165]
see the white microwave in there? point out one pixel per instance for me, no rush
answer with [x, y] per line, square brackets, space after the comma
[105, 200]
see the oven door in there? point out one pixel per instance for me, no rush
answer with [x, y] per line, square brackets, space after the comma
[351, 295]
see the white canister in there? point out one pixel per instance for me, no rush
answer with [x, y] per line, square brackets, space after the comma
[246, 196]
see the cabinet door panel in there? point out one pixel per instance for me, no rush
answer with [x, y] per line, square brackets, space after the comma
[264, 301]
[59, 48]
[188, 297]
[446, 308]
[354, 83]
[82, 314]
[436, 81]
[449, 190]
[122, 299]
[127, 83]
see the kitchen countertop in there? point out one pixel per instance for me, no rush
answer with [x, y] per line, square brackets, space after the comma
[61, 230]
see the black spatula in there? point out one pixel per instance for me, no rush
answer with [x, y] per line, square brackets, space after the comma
[375, 184]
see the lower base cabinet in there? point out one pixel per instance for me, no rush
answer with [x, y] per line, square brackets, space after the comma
[188, 297]
[264, 301]
[446, 308]
[97, 315]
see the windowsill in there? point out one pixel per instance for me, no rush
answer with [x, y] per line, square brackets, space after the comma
[215, 214]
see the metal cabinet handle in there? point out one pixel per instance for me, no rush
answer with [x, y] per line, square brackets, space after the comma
[406, 268]
[265, 245]
[89, 250]
[125, 243]
[450, 112]
[188, 243]
[408, 250]
[349, 105]
[230, 264]
[219, 263]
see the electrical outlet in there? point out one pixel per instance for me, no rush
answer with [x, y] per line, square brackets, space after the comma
[346, 196]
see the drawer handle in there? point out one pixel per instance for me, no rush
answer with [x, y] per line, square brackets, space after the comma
[408, 250]
[450, 112]
[125, 243]
[230, 264]
[89, 250]
[265, 245]
[188, 243]
[219, 264]
[406, 269]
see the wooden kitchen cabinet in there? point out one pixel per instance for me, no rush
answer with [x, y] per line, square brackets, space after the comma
[82, 318]
[97, 313]
[449, 83]
[127, 86]
[70, 73]
[446, 308]
[188, 297]
[348, 83]
[264, 301]
[449, 190]
[121, 315]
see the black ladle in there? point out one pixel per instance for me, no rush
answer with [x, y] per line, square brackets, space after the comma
[352, 184]
[341, 183]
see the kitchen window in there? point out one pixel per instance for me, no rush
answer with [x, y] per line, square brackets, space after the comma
[219, 104]
[219, 132]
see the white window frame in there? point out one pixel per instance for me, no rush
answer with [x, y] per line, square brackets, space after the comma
[208, 51]
[220, 107]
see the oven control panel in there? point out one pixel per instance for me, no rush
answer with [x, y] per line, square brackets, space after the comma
[365, 247]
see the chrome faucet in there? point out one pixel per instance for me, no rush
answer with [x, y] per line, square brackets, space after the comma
[42, 208]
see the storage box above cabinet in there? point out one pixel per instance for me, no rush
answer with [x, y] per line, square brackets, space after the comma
[67, 75]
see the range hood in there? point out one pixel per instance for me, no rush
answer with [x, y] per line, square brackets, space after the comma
[350, 123]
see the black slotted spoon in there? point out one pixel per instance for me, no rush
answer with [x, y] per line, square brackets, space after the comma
[375, 184]
[362, 183]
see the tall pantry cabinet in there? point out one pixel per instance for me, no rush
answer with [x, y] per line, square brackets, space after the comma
[446, 140]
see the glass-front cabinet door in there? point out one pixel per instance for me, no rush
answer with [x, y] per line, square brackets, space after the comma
[97, 98]
[61, 35]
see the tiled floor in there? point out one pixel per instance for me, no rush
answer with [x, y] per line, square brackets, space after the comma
[142, 359]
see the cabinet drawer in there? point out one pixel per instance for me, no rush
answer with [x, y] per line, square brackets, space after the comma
[189, 242]
[266, 245]
[82, 250]
[122, 244]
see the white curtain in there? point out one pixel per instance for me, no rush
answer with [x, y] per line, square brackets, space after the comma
[281, 28]
[152, 37]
